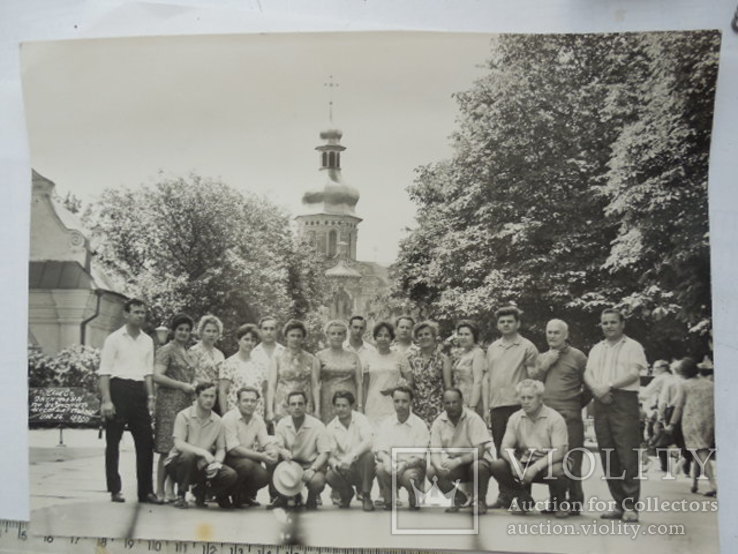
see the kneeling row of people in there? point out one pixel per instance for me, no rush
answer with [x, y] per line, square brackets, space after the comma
[233, 457]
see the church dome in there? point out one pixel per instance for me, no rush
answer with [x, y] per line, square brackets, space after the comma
[335, 197]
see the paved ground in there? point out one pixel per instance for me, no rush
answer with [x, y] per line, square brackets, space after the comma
[68, 498]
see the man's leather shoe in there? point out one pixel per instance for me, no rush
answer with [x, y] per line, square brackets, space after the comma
[117, 497]
[614, 514]
[480, 507]
[151, 498]
[366, 503]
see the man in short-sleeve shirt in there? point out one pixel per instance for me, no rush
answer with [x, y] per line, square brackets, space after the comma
[561, 369]
[459, 427]
[127, 390]
[351, 460]
[251, 452]
[403, 429]
[356, 343]
[533, 449]
[199, 450]
[510, 359]
[303, 438]
[613, 375]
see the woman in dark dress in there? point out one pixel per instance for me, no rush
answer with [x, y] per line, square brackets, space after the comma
[174, 375]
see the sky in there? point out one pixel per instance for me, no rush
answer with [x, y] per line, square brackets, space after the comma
[248, 109]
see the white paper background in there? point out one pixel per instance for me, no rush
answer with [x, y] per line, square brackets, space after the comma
[23, 20]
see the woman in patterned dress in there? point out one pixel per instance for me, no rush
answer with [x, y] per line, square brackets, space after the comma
[206, 356]
[174, 375]
[694, 406]
[339, 370]
[241, 370]
[430, 372]
[468, 368]
[293, 369]
[385, 369]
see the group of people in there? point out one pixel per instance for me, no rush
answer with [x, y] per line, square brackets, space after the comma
[679, 410]
[277, 416]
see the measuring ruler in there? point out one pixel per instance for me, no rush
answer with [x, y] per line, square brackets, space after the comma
[15, 538]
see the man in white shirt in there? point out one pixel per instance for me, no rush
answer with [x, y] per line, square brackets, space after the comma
[351, 461]
[267, 350]
[251, 451]
[356, 342]
[401, 430]
[613, 375]
[127, 390]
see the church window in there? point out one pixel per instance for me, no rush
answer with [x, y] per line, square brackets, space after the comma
[325, 159]
[332, 159]
[338, 159]
[332, 242]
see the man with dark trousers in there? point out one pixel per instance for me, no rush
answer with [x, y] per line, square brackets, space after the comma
[510, 360]
[127, 389]
[561, 369]
[613, 376]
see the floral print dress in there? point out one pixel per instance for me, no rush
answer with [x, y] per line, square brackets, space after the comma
[428, 384]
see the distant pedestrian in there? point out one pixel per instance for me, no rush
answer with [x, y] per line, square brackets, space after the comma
[694, 408]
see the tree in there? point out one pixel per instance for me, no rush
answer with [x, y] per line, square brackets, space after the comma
[524, 210]
[199, 246]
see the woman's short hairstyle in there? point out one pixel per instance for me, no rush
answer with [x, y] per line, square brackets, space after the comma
[614, 311]
[530, 384]
[180, 319]
[248, 329]
[294, 324]
[384, 325]
[335, 323]
[209, 319]
[432, 325]
[406, 318]
[469, 325]
[688, 368]
[347, 394]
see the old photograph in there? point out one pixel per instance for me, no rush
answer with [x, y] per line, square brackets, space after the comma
[387, 290]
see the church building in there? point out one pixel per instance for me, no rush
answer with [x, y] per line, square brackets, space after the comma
[329, 224]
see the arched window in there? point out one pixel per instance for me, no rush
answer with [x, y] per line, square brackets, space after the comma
[331, 159]
[325, 159]
[338, 159]
[332, 242]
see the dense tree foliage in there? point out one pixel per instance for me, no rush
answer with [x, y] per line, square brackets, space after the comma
[578, 181]
[200, 246]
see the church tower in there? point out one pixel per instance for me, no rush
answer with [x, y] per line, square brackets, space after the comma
[329, 216]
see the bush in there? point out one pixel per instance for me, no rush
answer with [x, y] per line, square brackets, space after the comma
[75, 366]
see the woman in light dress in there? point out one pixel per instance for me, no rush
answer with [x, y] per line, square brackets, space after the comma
[174, 375]
[206, 356]
[430, 372]
[242, 370]
[694, 407]
[293, 369]
[385, 369]
[468, 367]
[339, 370]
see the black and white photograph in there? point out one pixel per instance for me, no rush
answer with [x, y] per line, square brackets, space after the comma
[373, 289]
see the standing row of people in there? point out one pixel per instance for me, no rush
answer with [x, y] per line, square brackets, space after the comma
[406, 355]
